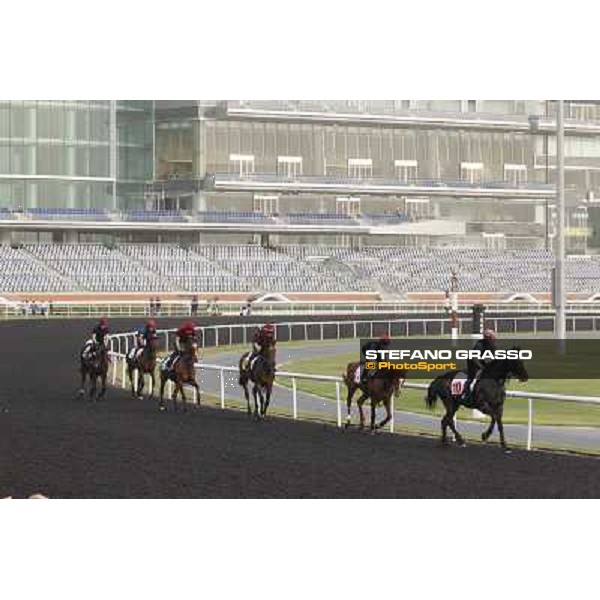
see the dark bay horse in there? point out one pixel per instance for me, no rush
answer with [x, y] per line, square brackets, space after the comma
[380, 389]
[183, 372]
[94, 365]
[143, 363]
[261, 372]
[488, 396]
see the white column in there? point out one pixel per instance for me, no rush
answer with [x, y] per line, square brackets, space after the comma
[561, 316]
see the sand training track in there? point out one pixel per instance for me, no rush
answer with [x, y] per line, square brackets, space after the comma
[64, 448]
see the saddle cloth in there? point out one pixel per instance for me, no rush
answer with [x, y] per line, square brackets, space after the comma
[248, 364]
[357, 373]
[134, 353]
[457, 385]
[164, 365]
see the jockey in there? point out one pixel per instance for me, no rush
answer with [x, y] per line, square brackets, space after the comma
[146, 334]
[99, 337]
[383, 343]
[100, 332]
[185, 333]
[262, 337]
[475, 366]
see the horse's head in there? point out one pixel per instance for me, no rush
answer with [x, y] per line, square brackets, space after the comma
[517, 368]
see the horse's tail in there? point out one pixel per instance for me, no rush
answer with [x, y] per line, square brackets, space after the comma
[432, 394]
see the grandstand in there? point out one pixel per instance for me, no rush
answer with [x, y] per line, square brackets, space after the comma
[251, 197]
[294, 268]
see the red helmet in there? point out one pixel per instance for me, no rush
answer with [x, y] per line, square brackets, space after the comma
[489, 334]
[386, 336]
[151, 323]
[189, 326]
[269, 327]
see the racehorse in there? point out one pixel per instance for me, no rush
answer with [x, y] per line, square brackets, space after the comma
[261, 372]
[380, 389]
[95, 366]
[143, 363]
[182, 372]
[487, 396]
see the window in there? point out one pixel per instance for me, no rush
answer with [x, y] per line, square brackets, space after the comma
[266, 205]
[471, 172]
[494, 241]
[581, 111]
[515, 174]
[289, 166]
[417, 208]
[347, 206]
[360, 168]
[241, 164]
[472, 105]
[406, 170]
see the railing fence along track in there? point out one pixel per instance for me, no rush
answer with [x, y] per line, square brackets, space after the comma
[121, 343]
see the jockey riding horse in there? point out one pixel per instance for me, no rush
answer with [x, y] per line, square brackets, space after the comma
[94, 360]
[142, 358]
[179, 367]
[258, 366]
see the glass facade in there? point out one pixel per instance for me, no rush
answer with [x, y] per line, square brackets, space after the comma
[74, 154]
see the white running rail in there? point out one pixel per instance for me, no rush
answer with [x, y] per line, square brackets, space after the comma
[125, 341]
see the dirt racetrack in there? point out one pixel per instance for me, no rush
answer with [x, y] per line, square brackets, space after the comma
[66, 448]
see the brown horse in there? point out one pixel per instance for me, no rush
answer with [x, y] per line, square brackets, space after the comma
[182, 372]
[379, 389]
[261, 372]
[94, 365]
[488, 396]
[143, 363]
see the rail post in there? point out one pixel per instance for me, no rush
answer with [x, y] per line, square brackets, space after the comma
[529, 422]
[114, 370]
[123, 373]
[136, 375]
[222, 386]
[294, 399]
[339, 403]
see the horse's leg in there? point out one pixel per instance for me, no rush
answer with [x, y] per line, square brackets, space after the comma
[360, 403]
[498, 414]
[447, 405]
[174, 398]
[261, 397]
[450, 423]
[388, 413]
[268, 390]
[163, 381]
[351, 391]
[373, 414]
[486, 434]
[152, 384]
[247, 394]
[130, 370]
[103, 389]
[140, 390]
[254, 394]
